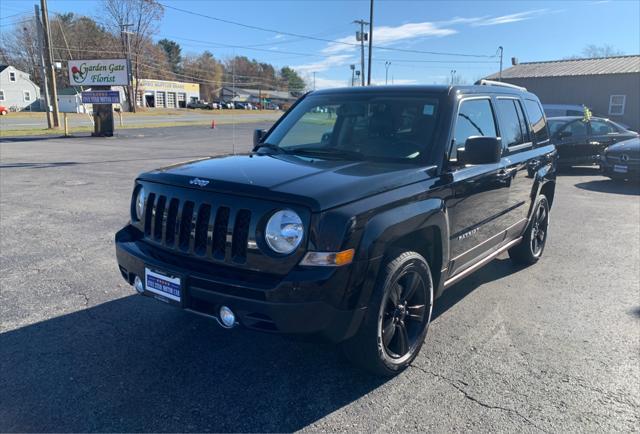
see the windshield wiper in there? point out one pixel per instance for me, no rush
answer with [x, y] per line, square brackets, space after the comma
[329, 152]
[270, 146]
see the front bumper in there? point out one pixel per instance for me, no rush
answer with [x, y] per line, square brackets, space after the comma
[306, 301]
[616, 168]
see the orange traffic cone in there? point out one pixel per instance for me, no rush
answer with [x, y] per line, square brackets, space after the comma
[213, 123]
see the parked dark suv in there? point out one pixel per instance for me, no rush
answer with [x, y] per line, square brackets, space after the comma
[350, 217]
[582, 142]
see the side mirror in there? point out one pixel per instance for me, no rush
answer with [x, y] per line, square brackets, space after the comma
[481, 150]
[258, 135]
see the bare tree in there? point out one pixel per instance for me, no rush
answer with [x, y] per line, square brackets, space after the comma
[597, 51]
[143, 18]
[19, 48]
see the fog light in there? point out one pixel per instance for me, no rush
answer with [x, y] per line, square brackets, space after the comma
[227, 317]
[138, 285]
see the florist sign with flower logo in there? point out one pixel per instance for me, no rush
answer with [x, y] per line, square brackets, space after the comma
[102, 72]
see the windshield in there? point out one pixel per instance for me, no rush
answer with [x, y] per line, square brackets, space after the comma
[371, 127]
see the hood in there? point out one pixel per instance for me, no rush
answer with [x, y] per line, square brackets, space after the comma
[631, 146]
[316, 183]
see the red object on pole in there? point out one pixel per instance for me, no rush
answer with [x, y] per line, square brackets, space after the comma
[213, 123]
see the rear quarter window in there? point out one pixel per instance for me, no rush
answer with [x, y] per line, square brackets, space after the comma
[537, 120]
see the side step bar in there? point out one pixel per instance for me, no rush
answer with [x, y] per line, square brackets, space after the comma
[481, 263]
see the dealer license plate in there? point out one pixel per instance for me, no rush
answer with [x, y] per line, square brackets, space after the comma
[620, 168]
[161, 284]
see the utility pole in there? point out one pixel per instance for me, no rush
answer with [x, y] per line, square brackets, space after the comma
[314, 80]
[387, 64]
[453, 74]
[49, 63]
[126, 42]
[370, 41]
[361, 36]
[353, 73]
[43, 68]
[501, 51]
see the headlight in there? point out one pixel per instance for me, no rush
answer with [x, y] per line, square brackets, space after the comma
[284, 231]
[139, 203]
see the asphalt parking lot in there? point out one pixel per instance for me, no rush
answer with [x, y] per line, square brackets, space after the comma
[553, 347]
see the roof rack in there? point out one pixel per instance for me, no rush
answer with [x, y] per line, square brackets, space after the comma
[499, 83]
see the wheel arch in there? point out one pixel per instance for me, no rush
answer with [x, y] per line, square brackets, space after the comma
[420, 226]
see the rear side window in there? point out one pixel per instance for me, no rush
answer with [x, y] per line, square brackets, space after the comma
[601, 128]
[573, 128]
[536, 118]
[513, 126]
[475, 118]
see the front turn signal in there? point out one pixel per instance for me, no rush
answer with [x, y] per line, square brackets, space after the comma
[328, 259]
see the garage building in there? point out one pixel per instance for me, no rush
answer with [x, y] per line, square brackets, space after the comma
[609, 86]
[166, 94]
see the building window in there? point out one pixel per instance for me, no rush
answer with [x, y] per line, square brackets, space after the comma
[1, 95]
[12, 76]
[616, 104]
[27, 96]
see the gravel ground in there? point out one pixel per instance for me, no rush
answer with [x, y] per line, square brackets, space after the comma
[553, 347]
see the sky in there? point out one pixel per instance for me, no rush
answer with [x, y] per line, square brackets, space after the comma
[423, 40]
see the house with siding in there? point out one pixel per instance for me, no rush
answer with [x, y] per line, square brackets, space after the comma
[17, 90]
[609, 86]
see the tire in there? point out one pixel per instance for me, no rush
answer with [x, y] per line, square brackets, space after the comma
[4, 112]
[530, 250]
[397, 318]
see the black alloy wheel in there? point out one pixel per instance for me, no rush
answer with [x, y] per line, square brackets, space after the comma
[539, 227]
[404, 314]
[397, 317]
[535, 236]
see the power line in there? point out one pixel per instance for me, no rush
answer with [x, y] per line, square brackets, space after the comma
[314, 38]
[15, 15]
[15, 23]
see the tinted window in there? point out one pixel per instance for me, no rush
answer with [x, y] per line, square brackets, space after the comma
[475, 118]
[510, 122]
[372, 126]
[537, 120]
[601, 128]
[574, 128]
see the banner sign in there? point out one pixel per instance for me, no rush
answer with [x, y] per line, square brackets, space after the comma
[102, 72]
[101, 97]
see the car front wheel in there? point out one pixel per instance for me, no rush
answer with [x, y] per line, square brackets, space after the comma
[397, 319]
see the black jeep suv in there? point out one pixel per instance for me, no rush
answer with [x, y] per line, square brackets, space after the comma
[350, 217]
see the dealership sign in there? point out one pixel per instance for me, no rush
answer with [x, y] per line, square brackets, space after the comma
[102, 72]
[101, 97]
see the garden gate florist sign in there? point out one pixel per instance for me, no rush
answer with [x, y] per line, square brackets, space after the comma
[101, 72]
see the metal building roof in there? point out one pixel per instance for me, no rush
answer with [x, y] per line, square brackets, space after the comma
[562, 68]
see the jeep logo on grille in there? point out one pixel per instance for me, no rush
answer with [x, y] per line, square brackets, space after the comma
[199, 182]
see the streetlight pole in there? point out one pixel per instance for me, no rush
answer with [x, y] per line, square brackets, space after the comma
[126, 42]
[387, 64]
[353, 74]
[370, 41]
[501, 51]
[361, 36]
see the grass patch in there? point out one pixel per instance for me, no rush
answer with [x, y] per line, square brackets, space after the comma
[128, 126]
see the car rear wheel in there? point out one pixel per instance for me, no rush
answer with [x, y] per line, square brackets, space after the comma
[4, 112]
[532, 246]
[397, 319]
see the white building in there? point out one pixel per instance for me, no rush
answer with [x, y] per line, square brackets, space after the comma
[17, 90]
